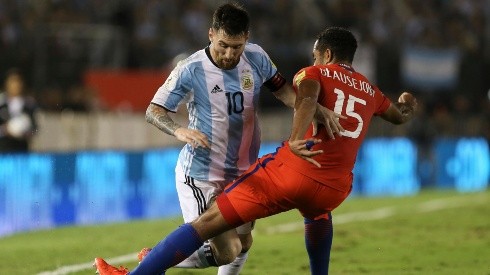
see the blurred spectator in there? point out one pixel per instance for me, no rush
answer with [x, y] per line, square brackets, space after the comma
[54, 42]
[51, 99]
[17, 120]
[81, 99]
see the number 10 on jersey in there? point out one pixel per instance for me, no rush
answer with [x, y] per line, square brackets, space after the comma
[235, 102]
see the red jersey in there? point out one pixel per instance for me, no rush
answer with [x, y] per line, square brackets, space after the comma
[349, 93]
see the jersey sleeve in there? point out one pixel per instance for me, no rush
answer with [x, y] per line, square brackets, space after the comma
[175, 90]
[305, 73]
[382, 102]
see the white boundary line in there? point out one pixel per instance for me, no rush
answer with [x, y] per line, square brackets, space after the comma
[385, 212]
[376, 214]
[79, 267]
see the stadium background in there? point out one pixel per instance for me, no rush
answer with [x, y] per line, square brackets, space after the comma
[94, 65]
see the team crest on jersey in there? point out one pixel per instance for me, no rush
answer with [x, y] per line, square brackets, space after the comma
[171, 80]
[247, 80]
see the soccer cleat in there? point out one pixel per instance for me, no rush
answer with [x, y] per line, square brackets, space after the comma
[104, 268]
[143, 253]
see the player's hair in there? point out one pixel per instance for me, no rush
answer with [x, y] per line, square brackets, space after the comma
[340, 41]
[232, 18]
[13, 72]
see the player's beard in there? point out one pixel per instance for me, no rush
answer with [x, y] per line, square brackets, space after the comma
[228, 64]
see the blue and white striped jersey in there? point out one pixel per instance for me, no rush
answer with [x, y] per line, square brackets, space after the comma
[222, 104]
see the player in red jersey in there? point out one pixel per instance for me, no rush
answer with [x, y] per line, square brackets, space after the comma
[310, 173]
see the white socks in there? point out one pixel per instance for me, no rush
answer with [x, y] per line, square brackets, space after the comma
[202, 259]
[192, 261]
[234, 267]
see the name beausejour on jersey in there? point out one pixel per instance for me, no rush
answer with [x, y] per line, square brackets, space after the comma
[357, 84]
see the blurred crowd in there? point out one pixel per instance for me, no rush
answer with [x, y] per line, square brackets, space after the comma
[54, 41]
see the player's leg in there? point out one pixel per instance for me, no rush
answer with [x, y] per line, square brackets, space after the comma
[245, 235]
[182, 242]
[226, 247]
[229, 211]
[318, 241]
[318, 226]
[194, 197]
[253, 195]
[221, 250]
[201, 258]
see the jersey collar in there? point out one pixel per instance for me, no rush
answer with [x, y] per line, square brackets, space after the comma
[347, 67]
[208, 53]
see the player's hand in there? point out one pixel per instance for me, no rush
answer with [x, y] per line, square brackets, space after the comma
[408, 101]
[194, 137]
[302, 148]
[329, 119]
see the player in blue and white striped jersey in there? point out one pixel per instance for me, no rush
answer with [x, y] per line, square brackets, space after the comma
[220, 86]
[222, 105]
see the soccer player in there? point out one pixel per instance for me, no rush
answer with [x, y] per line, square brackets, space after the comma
[310, 173]
[220, 85]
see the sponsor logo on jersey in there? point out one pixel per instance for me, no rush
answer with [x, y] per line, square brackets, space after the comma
[299, 77]
[216, 89]
[273, 65]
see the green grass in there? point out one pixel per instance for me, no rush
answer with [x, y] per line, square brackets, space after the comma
[453, 238]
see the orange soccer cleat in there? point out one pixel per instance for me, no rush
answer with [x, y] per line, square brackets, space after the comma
[104, 268]
[143, 253]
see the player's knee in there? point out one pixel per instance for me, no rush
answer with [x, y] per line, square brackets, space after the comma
[246, 240]
[227, 254]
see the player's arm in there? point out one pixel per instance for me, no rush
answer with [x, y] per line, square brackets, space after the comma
[305, 108]
[160, 118]
[323, 115]
[286, 94]
[401, 111]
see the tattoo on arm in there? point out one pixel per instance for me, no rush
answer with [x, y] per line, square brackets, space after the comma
[159, 117]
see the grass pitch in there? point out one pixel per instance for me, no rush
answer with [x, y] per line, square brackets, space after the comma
[431, 233]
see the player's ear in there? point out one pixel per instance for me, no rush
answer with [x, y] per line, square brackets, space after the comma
[210, 34]
[327, 56]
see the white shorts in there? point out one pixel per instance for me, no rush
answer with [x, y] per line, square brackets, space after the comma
[195, 197]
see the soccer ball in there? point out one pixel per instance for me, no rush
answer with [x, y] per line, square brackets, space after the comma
[406, 97]
[19, 126]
